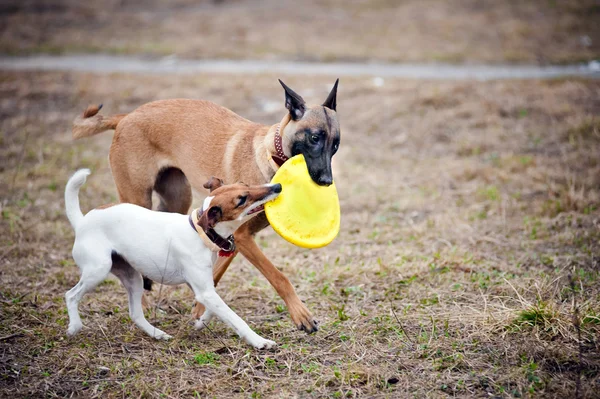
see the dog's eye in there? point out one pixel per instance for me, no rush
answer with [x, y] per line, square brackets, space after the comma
[335, 147]
[242, 200]
[314, 138]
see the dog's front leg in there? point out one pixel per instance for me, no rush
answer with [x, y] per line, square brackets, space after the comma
[244, 238]
[215, 306]
[298, 311]
[219, 269]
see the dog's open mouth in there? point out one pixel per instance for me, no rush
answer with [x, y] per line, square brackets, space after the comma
[259, 208]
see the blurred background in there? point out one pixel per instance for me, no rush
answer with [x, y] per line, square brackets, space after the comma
[459, 31]
[467, 262]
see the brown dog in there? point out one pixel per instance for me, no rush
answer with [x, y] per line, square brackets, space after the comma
[171, 146]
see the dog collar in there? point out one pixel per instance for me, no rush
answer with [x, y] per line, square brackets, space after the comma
[213, 241]
[280, 156]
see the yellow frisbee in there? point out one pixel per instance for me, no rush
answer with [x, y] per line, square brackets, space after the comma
[305, 214]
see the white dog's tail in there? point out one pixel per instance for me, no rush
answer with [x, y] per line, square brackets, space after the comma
[72, 196]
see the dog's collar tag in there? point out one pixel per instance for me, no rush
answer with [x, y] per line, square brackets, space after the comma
[227, 245]
[213, 241]
[231, 248]
[279, 158]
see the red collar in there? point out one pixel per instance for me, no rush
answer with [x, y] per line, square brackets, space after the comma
[279, 158]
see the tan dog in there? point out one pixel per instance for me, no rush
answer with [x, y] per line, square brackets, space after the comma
[171, 146]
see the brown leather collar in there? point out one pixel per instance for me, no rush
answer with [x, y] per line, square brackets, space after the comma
[279, 158]
[225, 246]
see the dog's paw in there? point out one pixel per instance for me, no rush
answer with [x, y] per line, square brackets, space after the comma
[74, 329]
[163, 336]
[204, 320]
[200, 324]
[269, 344]
[302, 318]
[309, 326]
[262, 343]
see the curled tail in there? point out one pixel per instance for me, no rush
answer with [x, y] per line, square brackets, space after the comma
[90, 123]
[72, 196]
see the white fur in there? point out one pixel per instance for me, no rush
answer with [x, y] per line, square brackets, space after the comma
[72, 196]
[206, 203]
[159, 245]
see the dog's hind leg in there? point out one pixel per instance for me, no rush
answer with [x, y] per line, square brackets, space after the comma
[175, 194]
[174, 190]
[139, 195]
[94, 271]
[134, 185]
[134, 180]
[132, 281]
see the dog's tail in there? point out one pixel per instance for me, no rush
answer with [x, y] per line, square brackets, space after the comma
[72, 196]
[90, 123]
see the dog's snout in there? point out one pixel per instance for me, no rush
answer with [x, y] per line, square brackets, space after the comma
[325, 181]
[277, 188]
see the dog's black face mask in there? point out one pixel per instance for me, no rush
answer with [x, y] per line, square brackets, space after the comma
[318, 145]
[317, 134]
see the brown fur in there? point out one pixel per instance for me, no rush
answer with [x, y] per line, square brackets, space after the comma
[90, 123]
[227, 205]
[173, 145]
[228, 201]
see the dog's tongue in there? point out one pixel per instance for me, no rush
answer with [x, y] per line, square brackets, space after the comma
[258, 209]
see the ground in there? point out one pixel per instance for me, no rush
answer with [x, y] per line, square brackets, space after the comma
[468, 258]
[456, 31]
[467, 262]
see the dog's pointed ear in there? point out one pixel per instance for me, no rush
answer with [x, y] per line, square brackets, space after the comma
[331, 102]
[213, 183]
[210, 217]
[293, 102]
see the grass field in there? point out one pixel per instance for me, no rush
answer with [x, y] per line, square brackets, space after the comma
[456, 31]
[467, 263]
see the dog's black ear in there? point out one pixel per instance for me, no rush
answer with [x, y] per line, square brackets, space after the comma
[213, 183]
[211, 217]
[331, 102]
[293, 102]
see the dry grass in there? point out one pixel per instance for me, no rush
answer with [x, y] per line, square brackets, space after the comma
[466, 206]
[540, 31]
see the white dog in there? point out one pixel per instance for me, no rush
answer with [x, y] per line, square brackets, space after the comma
[170, 248]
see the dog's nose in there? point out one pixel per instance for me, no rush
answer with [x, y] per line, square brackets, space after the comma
[277, 188]
[325, 181]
